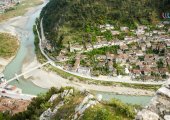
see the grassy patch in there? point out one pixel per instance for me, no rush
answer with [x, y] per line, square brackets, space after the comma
[8, 45]
[113, 110]
[20, 9]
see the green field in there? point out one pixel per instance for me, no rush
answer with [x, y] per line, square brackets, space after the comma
[8, 46]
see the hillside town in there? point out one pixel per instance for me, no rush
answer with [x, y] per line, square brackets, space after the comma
[7, 4]
[144, 55]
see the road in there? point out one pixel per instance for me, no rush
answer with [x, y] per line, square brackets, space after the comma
[126, 79]
[11, 94]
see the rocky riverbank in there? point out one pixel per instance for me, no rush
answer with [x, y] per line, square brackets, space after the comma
[159, 107]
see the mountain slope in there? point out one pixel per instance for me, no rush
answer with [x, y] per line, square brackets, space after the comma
[69, 20]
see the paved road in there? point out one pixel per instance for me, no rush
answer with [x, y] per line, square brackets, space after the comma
[14, 95]
[111, 79]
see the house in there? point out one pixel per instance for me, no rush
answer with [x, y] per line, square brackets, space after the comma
[142, 27]
[122, 58]
[49, 47]
[154, 46]
[128, 38]
[136, 72]
[140, 30]
[103, 30]
[124, 47]
[84, 70]
[161, 32]
[148, 57]
[163, 71]
[110, 66]
[127, 71]
[115, 32]
[112, 42]
[102, 26]
[104, 43]
[101, 64]
[89, 47]
[155, 70]
[109, 56]
[119, 51]
[76, 47]
[160, 25]
[155, 32]
[168, 44]
[139, 63]
[124, 29]
[139, 53]
[99, 38]
[161, 46]
[146, 71]
[64, 51]
[77, 63]
[134, 47]
[129, 52]
[109, 27]
[61, 58]
[106, 27]
[132, 59]
[148, 44]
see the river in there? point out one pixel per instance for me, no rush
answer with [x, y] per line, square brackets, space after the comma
[26, 54]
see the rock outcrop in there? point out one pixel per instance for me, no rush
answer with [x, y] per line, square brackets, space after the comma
[88, 101]
[159, 107]
[49, 113]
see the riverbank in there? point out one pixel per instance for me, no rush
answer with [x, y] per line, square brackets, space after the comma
[8, 49]
[20, 9]
[4, 62]
[58, 78]
[47, 79]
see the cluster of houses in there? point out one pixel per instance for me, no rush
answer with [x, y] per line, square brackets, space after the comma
[6, 4]
[138, 55]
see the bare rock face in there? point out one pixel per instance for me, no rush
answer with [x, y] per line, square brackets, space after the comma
[49, 113]
[85, 104]
[147, 115]
[159, 107]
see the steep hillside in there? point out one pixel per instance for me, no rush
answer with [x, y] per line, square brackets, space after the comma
[159, 107]
[69, 20]
[71, 104]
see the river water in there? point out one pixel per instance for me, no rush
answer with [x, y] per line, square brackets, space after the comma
[26, 54]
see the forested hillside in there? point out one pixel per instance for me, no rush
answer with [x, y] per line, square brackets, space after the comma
[66, 20]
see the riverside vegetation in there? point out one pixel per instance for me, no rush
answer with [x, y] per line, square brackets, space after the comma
[8, 46]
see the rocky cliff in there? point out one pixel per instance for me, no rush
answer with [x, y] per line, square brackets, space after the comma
[159, 107]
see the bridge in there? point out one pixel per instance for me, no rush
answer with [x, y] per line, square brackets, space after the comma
[24, 73]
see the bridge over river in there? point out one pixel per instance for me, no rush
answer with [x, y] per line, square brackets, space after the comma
[24, 73]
